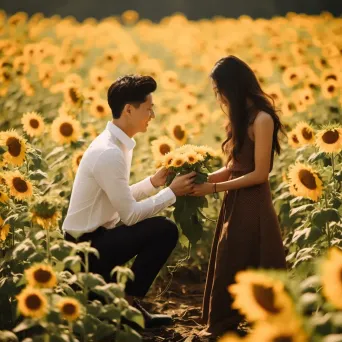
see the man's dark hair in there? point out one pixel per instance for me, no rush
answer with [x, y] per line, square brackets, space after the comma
[129, 89]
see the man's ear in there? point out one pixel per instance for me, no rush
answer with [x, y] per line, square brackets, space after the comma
[127, 108]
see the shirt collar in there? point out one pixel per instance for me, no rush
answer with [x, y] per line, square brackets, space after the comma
[121, 135]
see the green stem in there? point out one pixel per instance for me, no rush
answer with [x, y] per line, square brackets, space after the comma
[85, 288]
[327, 228]
[48, 245]
[333, 168]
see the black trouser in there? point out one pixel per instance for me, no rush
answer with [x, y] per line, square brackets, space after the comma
[151, 241]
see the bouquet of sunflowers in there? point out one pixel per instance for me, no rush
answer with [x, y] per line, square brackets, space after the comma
[188, 214]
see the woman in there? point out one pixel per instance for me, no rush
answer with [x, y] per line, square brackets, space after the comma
[247, 233]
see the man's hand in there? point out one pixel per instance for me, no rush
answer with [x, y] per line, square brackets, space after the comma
[159, 178]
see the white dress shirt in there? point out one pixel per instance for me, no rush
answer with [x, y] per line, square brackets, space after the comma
[101, 195]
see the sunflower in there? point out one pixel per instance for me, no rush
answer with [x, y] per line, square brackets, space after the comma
[293, 138]
[3, 197]
[275, 92]
[19, 186]
[74, 79]
[98, 77]
[72, 95]
[178, 132]
[41, 275]
[330, 89]
[230, 337]
[45, 214]
[329, 140]
[288, 108]
[307, 96]
[259, 296]
[305, 133]
[286, 330]
[162, 146]
[130, 17]
[16, 146]
[331, 74]
[32, 303]
[65, 129]
[27, 87]
[193, 157]
[4, 229]
[76, 159]
[205, 151]
[291, 76]
[331, 270]
[167, 161]
[169, 80]
[306, 181]
[69, 308]
[33, 124]
[99, 108]
[179, 160]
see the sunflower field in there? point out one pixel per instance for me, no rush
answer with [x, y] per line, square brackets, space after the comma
[54, 75]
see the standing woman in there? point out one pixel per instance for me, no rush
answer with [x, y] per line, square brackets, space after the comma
[248, 233]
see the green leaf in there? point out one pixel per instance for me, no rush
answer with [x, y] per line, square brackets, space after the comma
[134, 315]
[24, 325]
[109, 291]
[38, 175]
[91, 279]
[300, 209]
[311, 284]
[61, 250]
[24, 250]
[129, 335]
[316, 156]
[309, 302]
[320, 217]
[122, 274]
[73, 263]
[338, 176]
[322, 323]
[55, 151]
[201, 178]
[110, 312]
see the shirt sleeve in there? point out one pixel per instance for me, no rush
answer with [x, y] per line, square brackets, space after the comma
[142, 189]
[110, 172]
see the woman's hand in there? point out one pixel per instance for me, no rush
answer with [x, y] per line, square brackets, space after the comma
[202, 189]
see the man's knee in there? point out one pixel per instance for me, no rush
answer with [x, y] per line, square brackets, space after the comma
[169, 230]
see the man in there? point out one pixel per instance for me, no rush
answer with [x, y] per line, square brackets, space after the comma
[108, 212]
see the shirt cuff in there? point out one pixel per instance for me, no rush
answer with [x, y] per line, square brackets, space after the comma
[168, 196]
[147, 186]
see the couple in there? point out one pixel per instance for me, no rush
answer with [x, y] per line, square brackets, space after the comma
[119, 220]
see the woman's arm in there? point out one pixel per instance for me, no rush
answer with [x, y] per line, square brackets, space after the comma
[218, 176]
[263, 136]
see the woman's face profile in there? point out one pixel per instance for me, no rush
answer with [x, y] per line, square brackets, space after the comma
[220, 98]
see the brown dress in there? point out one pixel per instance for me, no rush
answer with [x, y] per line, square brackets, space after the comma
[247, 236]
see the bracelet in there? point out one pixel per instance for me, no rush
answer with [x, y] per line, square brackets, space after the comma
[216, 195]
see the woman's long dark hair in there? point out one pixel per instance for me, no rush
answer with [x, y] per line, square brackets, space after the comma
[237, 82]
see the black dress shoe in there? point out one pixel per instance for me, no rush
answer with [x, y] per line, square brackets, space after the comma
[153, 320]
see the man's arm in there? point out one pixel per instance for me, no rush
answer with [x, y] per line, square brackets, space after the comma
[110, 172]
[142, 189]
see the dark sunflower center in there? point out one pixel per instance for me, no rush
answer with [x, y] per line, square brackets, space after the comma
[34, 123]
[69, 309]
[189, 106]
[66, 129]
[283, 338]
[20, 185]
[306, 133]
[33, 302]
[291, 106]
[100, 109]
[14, 146]
[330, 137]
[169, 162]
[164, 148]
[293, 77]
[264, 296]
[331, 77]
[295, 139]
[331, 89]
[178, 162]
[275, 96]
[307, 179]
[178, 132]
[42, 276]
[191, 159]
[73, 95]
[78, 160]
